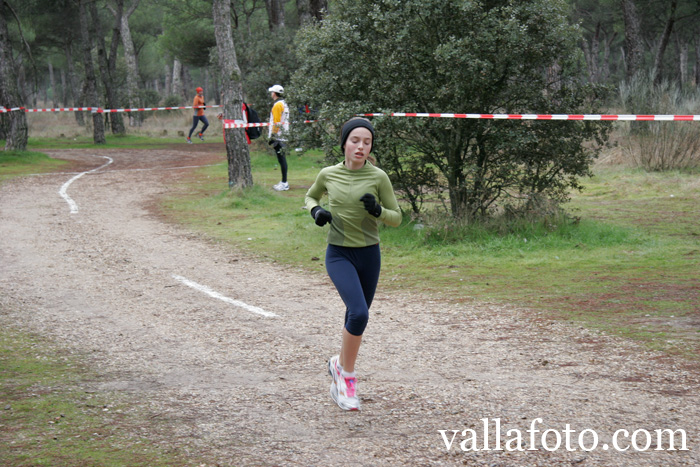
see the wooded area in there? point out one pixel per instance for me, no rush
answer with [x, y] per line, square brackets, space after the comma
[149, 53]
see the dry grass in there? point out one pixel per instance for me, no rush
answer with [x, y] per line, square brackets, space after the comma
[157, 123]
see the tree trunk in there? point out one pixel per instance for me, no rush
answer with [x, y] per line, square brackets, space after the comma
[114, 48]
[275, 13]
[52, 82]
[26, 95]
[187, 83]
[239, 171]
[132, 68]
[457, 189]
[87, 31]
[4, 125]
[591, 52]
[318, 8]
[634, 47]
[116, 120]
[64, 94]
[168, 81]
[657, 71]
[683, 48]
[553, 78]
[74, 88]
[452, 170]
[177, 79]
[697, 61]
[304, 11]
[605, 70]
[16, 131]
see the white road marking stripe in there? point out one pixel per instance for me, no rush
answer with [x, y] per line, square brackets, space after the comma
[64, 188]
[217, 295]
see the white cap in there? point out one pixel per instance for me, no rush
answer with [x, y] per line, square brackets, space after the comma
[277, 89]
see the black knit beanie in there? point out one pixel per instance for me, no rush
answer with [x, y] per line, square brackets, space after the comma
[350, 125]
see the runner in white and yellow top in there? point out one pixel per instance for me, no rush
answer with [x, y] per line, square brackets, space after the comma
[279, 126]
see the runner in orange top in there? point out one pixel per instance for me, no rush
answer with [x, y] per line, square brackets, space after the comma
[198, 115]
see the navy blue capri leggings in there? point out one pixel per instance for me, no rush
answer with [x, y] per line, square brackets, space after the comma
[195, 122]
[355, 273]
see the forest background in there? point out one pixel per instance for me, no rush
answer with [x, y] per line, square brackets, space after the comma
[565, 56]
[152, 53]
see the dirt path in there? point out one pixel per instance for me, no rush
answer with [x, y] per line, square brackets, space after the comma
[245, 389]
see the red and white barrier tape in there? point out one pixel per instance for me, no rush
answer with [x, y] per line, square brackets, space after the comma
[600, 117]
[543, 116]
[68, 109]
[143, 109]
[99, 110]
[228, 124]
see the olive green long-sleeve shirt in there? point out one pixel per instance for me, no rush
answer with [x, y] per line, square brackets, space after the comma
[352, 225]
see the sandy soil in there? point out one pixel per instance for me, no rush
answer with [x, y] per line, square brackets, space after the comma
[239, 388]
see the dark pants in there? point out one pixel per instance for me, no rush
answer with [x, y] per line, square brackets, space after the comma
[195, 122]
[281, 151]
[355, 273]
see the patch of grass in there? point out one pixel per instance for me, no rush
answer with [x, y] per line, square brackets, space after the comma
[164, 126]
[627, 236]
[18, 163]
[258, 220]
[662, 203]
[49, 417]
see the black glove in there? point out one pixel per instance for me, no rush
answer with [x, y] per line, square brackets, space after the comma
[271, 141]
[371, 204]
[321, 216]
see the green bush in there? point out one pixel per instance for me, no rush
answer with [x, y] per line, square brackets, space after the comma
[461, 57]
[172, 101]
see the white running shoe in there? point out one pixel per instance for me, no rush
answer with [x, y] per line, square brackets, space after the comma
[345, 394]
[334, 368]
[334, 392]
[281, 186]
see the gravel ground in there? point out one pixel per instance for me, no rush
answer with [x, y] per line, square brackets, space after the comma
[239, 388]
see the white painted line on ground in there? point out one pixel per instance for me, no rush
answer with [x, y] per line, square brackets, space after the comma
[64, 188]
[217, 295]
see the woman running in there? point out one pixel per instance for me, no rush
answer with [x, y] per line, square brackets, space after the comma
[359, 196]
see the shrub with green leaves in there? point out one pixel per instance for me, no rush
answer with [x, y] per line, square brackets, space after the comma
[455, 56]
